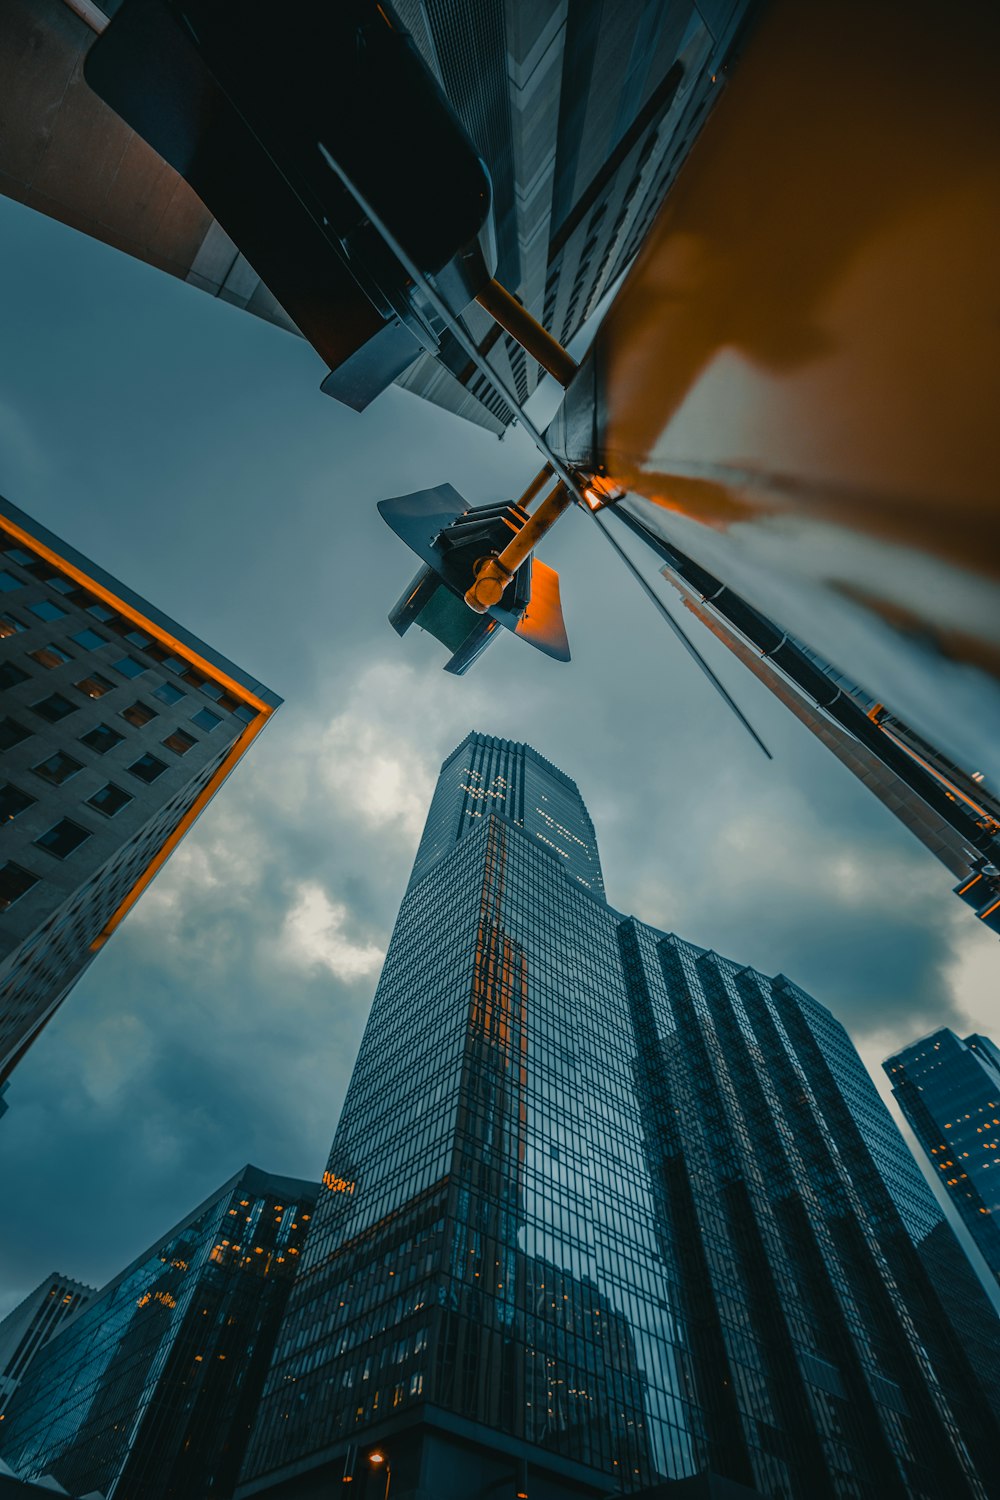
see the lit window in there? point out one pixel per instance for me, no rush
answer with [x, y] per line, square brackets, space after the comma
[138, 714]
[9, 625]
[147, 768]
[54, 708]
[167, 693]
[62, 838]
[50, 656]
[94, 686]
[14, 883]
[128, 666]
[102, 738]
[206, 719]
[10, 675]
[88, 639]
[180, 741]
[47, 609]
[13, 801]
[12, 733]
[58, 768]
[110, 799]
[8, 582]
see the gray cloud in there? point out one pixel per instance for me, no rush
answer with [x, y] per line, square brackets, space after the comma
[188, 450]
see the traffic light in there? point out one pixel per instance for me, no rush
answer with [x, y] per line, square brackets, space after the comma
[250, 103]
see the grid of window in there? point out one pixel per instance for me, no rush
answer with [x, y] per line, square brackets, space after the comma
[148, 1391]
[605, 1192]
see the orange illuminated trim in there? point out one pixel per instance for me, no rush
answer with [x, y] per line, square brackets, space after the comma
[989, 910]
[214, 674]
[136, 616]
[940, 777]
[168, 846]
[968, 884]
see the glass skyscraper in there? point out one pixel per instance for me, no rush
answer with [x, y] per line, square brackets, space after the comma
[949, 1091]
[148, 1392]
[604, 1208]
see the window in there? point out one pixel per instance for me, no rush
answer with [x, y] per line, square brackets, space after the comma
[138, 714]
[60, 583]
[167, 693]
[180, 741]
[9, 625]
[94, 686]
[14, 882]
[10, 675]
[212, 689]
[47, 609]
[88, 639]
[128, 666]
[102, 739]
[8, 582]
[110, 799]
[101, 612]
[18, 555]
[136, 638]
[205, 719]
[58, 768]
[147, 768]
[12, 733]
[13, 801]
[54, 708]
[62, 838]
[50, 656]
[245, 712]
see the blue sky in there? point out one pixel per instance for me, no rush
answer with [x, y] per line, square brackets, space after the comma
[186, 447]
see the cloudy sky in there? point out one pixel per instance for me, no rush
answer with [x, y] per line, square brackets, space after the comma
[186, 448]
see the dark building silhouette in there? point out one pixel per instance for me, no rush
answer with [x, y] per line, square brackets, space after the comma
[949, 1091]
[30, 1325]
[149, 1392]
[117, 727]
[605, 1210]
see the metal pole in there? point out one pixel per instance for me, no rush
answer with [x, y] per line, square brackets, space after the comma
[505, 309]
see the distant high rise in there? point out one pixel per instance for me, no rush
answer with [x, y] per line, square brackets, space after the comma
[583, 110]
[604, 1209]
[949, 1091]
[32, 1323]
[117, 727]
[149, 1391]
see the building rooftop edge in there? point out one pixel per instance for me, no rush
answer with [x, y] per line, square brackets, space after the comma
[72, 555]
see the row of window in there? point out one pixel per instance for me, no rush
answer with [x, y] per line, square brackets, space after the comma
[90, 640]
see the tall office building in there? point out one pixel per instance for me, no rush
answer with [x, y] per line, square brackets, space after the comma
[949, 1091]
[583, 110]
[32, 1323]
[605, 1209]
[117, 727]
[150, 1390]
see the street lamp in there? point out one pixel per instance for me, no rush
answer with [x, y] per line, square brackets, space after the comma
[378, 1461]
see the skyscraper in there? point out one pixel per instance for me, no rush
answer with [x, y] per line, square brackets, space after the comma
[583, 112]
[33, 1322]
[117, 727]
[949, 1091]
[604, 1208]
[149, 1391]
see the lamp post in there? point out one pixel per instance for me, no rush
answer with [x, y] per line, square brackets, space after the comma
[378, 1461]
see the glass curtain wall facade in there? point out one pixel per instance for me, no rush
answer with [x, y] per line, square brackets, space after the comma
[149, 1392]
[32, 1323]
[596, 1215]
[949, 1091]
